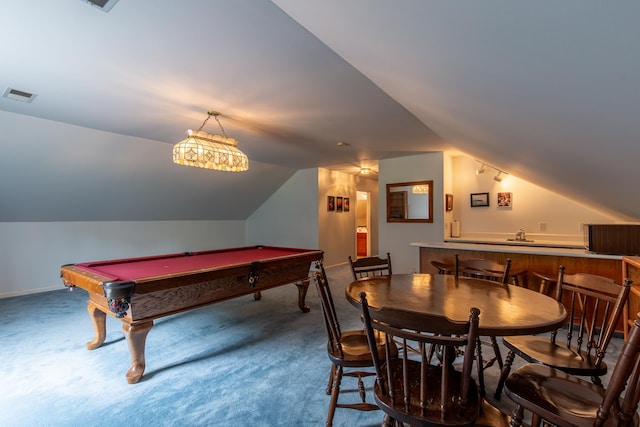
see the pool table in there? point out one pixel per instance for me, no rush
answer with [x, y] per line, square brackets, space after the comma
[139, 290]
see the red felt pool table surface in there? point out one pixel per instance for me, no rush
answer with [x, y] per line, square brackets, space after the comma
[153, 266]
[139, 290]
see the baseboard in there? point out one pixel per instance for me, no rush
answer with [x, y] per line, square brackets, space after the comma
[28, 292]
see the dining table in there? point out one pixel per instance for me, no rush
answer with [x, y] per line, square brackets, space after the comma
[505, 310]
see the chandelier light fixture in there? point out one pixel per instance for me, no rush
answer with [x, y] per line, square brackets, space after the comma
[210, 151]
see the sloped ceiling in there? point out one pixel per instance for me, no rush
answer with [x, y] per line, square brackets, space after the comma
[545, 90]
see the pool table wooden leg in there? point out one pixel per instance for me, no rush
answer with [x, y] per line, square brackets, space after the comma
[303, 286]
[98, 318]
[136, 336]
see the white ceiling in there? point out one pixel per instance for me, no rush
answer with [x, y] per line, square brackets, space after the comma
[546, 90]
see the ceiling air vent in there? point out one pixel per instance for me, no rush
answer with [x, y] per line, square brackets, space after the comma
[18, 95]
[103, 5]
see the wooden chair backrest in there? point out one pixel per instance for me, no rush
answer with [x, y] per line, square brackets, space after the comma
[332, 326]
[483, 269]
[370, 266]
[595, 305]
[414, 390]
[443, 267]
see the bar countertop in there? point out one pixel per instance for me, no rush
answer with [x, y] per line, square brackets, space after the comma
[515, 247]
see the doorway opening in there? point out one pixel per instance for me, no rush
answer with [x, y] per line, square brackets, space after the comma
[363, 224]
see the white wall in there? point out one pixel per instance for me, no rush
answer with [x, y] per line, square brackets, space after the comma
[447, 188]
[336, 230]
[396, 237]
[31, 253]
[532, 205]
[290, 216]
[296, 215]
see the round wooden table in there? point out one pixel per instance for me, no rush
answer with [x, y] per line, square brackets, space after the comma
[505, 310]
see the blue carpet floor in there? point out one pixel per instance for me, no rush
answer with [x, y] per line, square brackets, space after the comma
[241, 362]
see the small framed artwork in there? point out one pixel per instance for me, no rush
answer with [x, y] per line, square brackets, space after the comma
[479, 199]
[338, 204]
[345, 204]
[504, 200]
[448, 202]
[331, 203]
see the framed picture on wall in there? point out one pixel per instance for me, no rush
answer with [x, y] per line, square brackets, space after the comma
[331, 203]
[504, 200]
[338, 204]
[479, 199]
[345, 204]
[448, 202]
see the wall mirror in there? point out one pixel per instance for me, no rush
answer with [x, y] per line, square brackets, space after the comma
[410, 201]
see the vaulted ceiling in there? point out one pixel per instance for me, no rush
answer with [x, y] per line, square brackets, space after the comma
[548, 91]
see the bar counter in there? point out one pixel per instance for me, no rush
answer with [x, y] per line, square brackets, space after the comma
[526, 259]
[561, 249]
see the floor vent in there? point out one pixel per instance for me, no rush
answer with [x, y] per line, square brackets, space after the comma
[18, 95]
[103, 5]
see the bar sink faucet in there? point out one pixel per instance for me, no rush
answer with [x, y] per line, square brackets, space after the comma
[521, 235]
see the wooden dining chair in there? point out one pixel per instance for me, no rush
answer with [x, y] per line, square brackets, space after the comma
[481, 268]
[417, 390]
[485, 269]
[370, 266]
[564, 400]
[594, 305]
[348, 351]
[546, 282]
[444, 267]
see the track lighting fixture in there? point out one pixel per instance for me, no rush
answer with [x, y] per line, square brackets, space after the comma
[483, 167]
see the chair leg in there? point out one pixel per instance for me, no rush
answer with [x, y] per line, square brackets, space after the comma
[504, 373]
[335, 391]
[596, 380]
[496, 351]
[332, 373]
[480, 364]
[431, 352]
[497, 355]
[361, 390]
[536, 421]
[517, 416]
[387, 421]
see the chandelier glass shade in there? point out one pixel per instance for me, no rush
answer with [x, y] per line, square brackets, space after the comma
[420, 189]
[209, 151]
